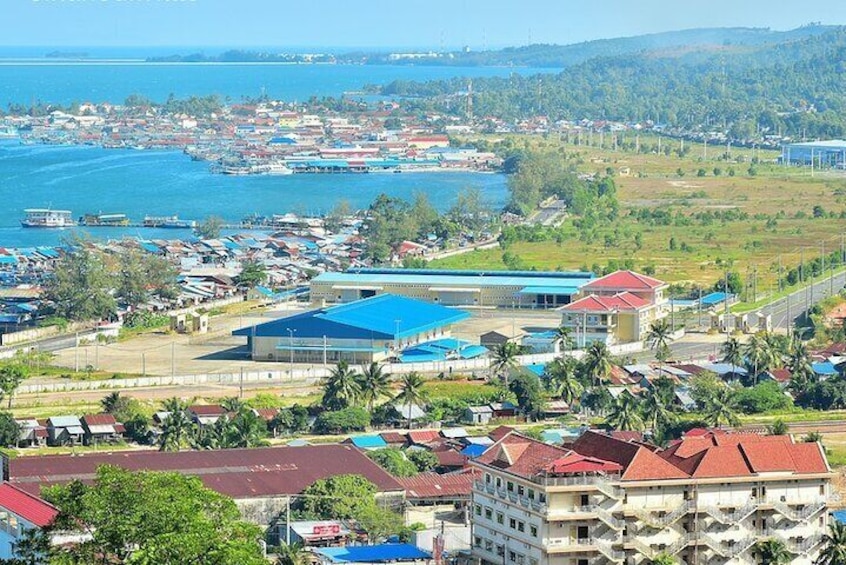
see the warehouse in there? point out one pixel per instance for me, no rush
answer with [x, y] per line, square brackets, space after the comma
[823, 154]
[492, 289]
[365, 331]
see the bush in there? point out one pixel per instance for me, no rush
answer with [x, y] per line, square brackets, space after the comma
[764, 397]
[342, 421]
[393, 460]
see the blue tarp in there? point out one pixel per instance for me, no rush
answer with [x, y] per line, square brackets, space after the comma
[368, 442]
[473, 450]
[839, 516]
[713, 298]
[825, 369]
[538, 369]
[472, 351]
[373, 553]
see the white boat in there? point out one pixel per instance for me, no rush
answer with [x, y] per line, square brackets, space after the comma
[8, 132]
[47, 218]
[274, 168]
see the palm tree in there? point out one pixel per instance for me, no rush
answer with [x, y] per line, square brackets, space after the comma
[773, 552]
[562, 381]
[111, 401]
[374, 384]
[659, 334]
[799, 361]
[174, 404]
[564, 335]
[246, 429]
[598, 361]
[721, 410]
[759, 356]
[624, 413]
[293, 554]
[411, 393]
[176, 430]
[232, 404]
[834, 548]
[732, 353]
[505, 359]
[656, 410]
[341, 389]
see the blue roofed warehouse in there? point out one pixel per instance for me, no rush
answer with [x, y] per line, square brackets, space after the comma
[364, 331]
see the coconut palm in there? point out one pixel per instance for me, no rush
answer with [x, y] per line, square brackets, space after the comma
[111, 401]
[659, 334]
[732, 353]
[562, 381]
[341, 388]
[373, 384]
[598, 361]
[773, 552]
[174, 404]
[411, 393]
[246, 429]
[232, 404]
[176, 430]
[657, 411]
[721, 410]
[293, 554]
[505, 360]
[565, 336]
[799, 360]
[834, 548]
[760, 356]
[624, 413]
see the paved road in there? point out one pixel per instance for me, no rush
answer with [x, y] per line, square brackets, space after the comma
[787, 310]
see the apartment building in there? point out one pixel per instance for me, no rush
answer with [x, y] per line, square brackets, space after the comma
[706, 499]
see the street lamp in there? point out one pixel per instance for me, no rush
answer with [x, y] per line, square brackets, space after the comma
[291, 350]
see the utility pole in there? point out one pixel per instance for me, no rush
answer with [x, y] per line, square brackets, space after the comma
[789, 321]
[726, 305]
[172, 359]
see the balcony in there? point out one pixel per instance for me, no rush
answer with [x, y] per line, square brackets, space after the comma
[570, 545]
[795, 510]
[601, 483]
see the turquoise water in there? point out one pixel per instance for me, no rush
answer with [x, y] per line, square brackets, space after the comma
[138, 183]
[63, 83]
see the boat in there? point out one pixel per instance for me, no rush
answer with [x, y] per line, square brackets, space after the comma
[168, 222]
[8, 132]
[274, 168]
[104, 220]
[47, 218]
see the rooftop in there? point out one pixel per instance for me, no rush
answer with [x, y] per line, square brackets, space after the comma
[625, 280]
[27, 506]
[238, 473]
[625, 301]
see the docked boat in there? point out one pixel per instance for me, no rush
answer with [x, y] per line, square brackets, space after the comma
[8, 132]
[168, 222]
[104, 220]
[274, 168]
[47, 218]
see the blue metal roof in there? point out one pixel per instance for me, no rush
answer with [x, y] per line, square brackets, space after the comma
[566, 284]
[839, 516]
[472, 351]
[825, 368]
[474, 450]
[556, 290]
[369, 442]
[713, 298]
[373, 553]
[385, 316]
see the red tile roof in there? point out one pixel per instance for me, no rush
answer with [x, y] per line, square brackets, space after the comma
[624, 280]
[433, 485]
[625, 301]
[27, 506]
[238, 473]
[424, 436]
[575, 463]
[521, 455]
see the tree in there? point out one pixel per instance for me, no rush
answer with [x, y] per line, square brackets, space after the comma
[564, 335]
[176, 428]
[252, 273]
[799, 364]
[293, 419]
[210, 228]
[598, 361]
[394, 461]
[834, 546]
[9, 430]
[563, 381]
[246, 429]
[760, 356]
[527, 388]
[704, 387]
[658, 337]
[735, 283]
[721, 410]
[657, 408]
[11, 376]
[373, 384]
[341, 497]
[664, 558]
[411, 392]
[341, 389]
[505, 359]
[293, 554]
[191, 524]
[140, 275]
[778, 428]
[773, 552]
[732, 353]
[81, 287]
[352, 419]
[424, 460]
[624, 414]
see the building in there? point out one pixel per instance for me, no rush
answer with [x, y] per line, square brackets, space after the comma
[65, 430]
[364, 331]
[261, 481]
[496, 289]
[823, 154]
[705, 499]
[19, 512]
[100, 428]
[616, 308]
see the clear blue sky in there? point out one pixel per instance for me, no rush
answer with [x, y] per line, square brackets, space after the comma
[379, 23]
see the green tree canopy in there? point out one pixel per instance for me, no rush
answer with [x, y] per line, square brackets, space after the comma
[81, 287]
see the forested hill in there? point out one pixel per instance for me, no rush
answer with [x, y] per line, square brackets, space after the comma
[793, 87]
[561, 56]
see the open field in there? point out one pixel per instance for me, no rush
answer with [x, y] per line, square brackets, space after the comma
[779, 224]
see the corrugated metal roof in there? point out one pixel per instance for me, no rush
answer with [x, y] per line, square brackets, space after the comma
[566, 282]
[373, 553]
[29, 507]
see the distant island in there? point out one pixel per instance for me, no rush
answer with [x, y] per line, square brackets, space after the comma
[67, 55]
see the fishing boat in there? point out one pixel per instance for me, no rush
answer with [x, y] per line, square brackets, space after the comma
[47, 218]
[104, 220]
[168, 222]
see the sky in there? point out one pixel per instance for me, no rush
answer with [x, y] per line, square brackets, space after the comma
[378, 23]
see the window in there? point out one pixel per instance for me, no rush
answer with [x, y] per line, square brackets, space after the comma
[512, 556]
[531, 494]
[500, 518]
[487, 478]
[500, 550]
[477, 541]
[520, 490]
[478, 510]
[521, 526]
[488, 513]
[498, 482]
[542, 498]
[509, 486]
[533, 530]
[488, 545]
[822, 490]
[512, 523]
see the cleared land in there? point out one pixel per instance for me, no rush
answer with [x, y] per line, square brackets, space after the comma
[780, 225]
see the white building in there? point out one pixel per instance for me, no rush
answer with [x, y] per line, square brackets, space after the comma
[705, 499]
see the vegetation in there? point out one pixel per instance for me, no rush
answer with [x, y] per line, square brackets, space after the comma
[394, 461]
[834, 549]
[9, 430]
[143, 518]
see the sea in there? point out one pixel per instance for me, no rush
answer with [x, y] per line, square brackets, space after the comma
[146, 182]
